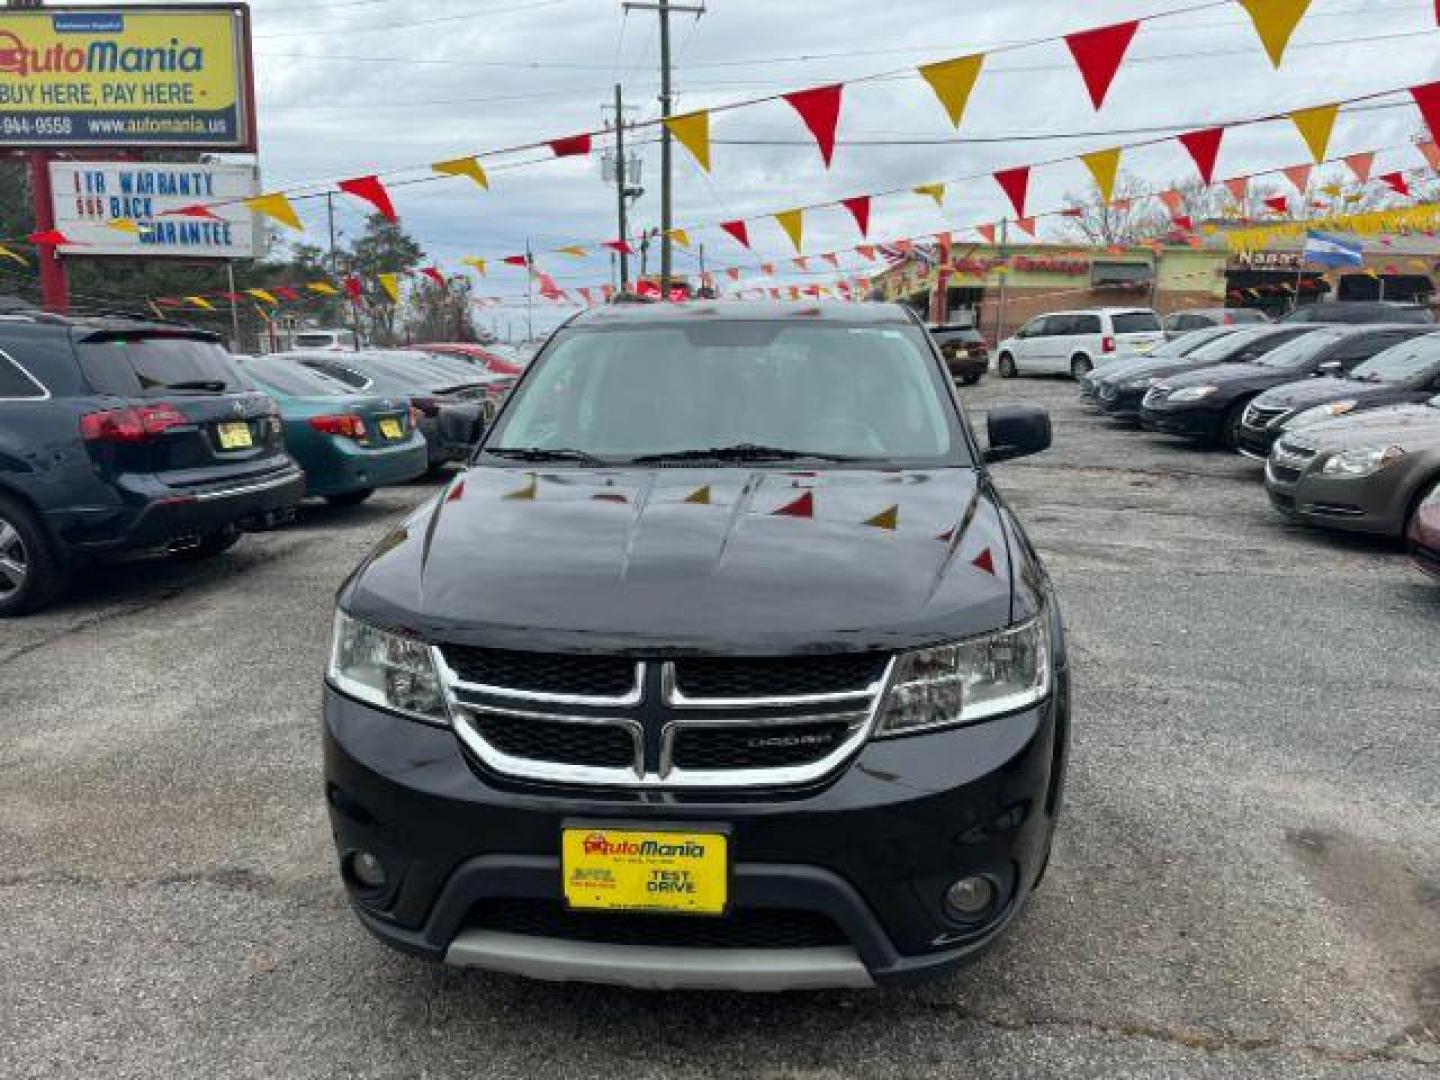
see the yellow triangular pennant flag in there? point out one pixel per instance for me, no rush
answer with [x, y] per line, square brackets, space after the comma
[262, 295]
[1315, 127]
[323, 288]
[700, 497]
[467, 166]
[574, 251]
[887, 519]
[681, 237]
[1104, 166]
[952, 81]
[793, 222]
[391, 284]
[478, 265]
[693, 131]
[6, 253]
[1275, 22]
[934, 191]
[529, 492]
[201, 302]
[276, 206]
[1333, 190]
[125, 225]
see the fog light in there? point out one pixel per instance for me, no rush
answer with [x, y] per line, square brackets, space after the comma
[367, 870]
[970, 898]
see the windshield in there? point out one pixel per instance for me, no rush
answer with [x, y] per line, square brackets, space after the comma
[291, 380]
[1414, 359]
[1191, 343]
[1294, 355]
[1232, 342]
[131, 366]
[869, 393]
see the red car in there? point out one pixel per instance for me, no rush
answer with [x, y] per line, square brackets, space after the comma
[490, 360]
[1425, 534]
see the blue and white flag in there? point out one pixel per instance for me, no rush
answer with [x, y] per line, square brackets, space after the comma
[1325, 249]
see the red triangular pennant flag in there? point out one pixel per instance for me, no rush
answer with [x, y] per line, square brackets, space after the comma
[866, 251]
[1396, 182]
[987, 232]
[1428, 98]
[859, 208]
[372, 191]
[820, 109]
[738, 230]
[1099, 53]
[1239, 188]
[1280, 204]
[1299, 175]
[196, 211]
[1361, 165]
[516, 260]
[803, 507]
[434, 274]
[1174, 202]
[733, 273]
[621, 246]
[573, 146]
[50, 238]
[1026, 225]
[984, 561]
[1184, 223]
[285, 292]
[832, 259]
[354, 288]
[1016, 184]
[1204, 147]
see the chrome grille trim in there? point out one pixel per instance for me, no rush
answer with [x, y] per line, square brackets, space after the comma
[682, 714]
[451, 677]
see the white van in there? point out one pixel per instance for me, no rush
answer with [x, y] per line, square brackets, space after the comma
[1076, 342]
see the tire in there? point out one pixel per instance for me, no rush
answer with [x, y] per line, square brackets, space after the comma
[1427, 488]
[1008, 370]
[350, 498]
[970, 380]
[208, 546]
[1080, 366]
[1230, 428]
[30, 575]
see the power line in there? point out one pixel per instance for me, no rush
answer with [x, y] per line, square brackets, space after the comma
[412, 24]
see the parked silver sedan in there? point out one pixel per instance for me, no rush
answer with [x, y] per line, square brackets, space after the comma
[1365, 473]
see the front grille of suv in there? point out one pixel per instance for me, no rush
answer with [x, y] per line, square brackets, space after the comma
[1261, 417]
[709, 722]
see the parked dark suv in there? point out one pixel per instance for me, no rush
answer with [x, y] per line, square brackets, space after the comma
[724, 664]
[118, 435]
[965, 352]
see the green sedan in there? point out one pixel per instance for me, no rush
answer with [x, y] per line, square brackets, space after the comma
[348, 444]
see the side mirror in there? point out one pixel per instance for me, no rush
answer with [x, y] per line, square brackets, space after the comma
[461, 424]
[1017, 431]
[1331, 367]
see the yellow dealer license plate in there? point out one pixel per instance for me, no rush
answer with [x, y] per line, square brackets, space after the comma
[235, 436]
[612, 869]
[391, 429]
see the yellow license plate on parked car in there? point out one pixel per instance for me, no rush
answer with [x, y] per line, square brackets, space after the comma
[235, 436]
[610, 869]
[391, 429]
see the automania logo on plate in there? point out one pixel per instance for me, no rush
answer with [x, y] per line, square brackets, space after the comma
[97, 58]
[596, 844]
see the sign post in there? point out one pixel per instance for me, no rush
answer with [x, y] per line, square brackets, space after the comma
[54, 284]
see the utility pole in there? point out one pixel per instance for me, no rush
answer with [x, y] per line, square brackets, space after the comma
[663, 8]
[529, 292]
[620, 195]
[54, 286]
[234, 310]
[1004, 274]
[330, 221]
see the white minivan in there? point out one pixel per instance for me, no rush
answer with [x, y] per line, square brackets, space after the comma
[1076, 342]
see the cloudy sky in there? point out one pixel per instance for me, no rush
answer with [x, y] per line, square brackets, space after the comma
[356, 86]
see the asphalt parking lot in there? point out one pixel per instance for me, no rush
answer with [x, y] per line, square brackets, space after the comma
[1247, 880]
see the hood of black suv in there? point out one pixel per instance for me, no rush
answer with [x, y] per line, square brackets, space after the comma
[720, 560]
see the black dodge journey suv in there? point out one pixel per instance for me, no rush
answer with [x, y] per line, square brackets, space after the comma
[722, 665]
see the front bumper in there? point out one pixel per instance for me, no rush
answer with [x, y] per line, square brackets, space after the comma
[869, 853]
[1194, 420]
[1257, 443]
[1373, 504]
[1121, 404]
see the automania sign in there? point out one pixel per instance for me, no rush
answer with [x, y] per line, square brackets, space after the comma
[126, 76]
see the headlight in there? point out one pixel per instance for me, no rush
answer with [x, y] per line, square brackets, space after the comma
[970, 681]
[1319, 413]
[1364, 461]
[387, 670]
[1193, 393]
[1139, 384]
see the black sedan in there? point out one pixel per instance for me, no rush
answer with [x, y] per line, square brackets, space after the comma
[1407, 372]
[1211, 403]
[1122, 398]
[1093, 383]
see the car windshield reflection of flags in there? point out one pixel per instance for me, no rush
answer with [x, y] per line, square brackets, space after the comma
[1327, 249]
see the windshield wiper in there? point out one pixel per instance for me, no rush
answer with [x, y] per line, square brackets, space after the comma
[535, 453]
[214, 386]
[743, 452]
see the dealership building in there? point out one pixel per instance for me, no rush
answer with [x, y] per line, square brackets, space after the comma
[999, 289]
